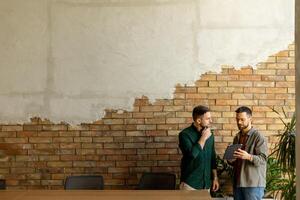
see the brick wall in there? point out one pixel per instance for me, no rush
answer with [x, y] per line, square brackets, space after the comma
[122, 145]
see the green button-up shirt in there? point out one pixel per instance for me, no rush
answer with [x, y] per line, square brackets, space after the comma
[196, 163]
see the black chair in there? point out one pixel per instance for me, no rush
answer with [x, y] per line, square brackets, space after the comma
[157, 181]
[2, 184]
[84, 183]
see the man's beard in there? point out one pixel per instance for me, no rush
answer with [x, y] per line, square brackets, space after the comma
[242, 127]
[205, 125]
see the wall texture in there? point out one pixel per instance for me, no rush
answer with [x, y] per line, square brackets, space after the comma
[122, 145]
[69, 60]
[297, 60]
[105, 86]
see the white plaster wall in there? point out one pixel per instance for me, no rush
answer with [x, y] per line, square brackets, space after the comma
[68, 60]
[243, 32]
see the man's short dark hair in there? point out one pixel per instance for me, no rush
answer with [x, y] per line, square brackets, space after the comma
[199, 111]
[244, 109]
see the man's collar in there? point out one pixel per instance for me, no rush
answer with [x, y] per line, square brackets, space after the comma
[252, 130]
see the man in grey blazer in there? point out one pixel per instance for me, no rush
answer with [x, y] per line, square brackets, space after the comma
[250, 161]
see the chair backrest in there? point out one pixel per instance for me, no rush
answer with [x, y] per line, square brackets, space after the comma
[84, 183]
[157, 181]
[2, 184]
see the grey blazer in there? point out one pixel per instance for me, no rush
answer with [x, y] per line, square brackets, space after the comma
[253, 174]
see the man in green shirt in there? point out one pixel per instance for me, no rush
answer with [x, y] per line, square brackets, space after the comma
[198, 163]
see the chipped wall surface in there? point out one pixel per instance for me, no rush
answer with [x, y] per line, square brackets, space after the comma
[69, 60]
[121, 146]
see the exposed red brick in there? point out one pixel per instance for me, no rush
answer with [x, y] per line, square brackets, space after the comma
[124, 144]
[12, 128]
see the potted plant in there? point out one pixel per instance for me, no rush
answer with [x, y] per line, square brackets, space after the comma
[225, 172]
[281, 175]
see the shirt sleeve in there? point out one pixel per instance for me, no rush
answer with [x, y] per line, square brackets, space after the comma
[261, 149]
[213, 154]
[187, 147]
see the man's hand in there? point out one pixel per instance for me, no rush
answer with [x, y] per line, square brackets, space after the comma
[241, 154]
[215, 185]
[205, 135]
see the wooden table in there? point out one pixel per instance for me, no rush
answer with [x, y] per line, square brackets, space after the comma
[104, 195]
